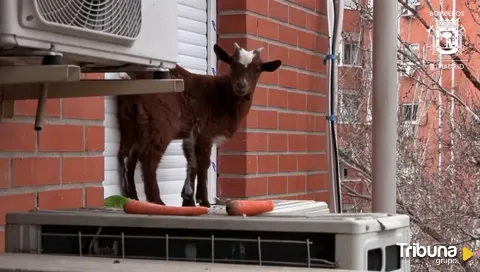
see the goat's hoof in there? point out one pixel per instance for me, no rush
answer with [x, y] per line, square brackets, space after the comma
[204, 203]
[188, 202]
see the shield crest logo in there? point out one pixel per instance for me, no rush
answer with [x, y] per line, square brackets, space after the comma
[447, 37]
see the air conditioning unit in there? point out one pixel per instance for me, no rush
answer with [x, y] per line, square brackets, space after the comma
[404, 12]
[92, 32]
[295, 234]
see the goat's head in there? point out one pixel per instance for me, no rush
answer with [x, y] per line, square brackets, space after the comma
[245, 67]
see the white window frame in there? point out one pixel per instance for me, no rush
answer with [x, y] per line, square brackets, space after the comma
[413, 122]
[354, 42]
[413, 47]
[348, 4]
[341, 107]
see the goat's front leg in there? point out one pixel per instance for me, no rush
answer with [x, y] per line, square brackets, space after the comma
[188, 146]
[203, 150]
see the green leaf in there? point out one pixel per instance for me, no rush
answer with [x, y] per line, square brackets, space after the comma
[115, 201]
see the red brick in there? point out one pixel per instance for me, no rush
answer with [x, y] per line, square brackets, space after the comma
[267, 119]
[60, 199]
[260, 97]
[17, 137]
[257, 142]
[288, 78]
[15, 203]
[316, 143]
[29, 108]
[61, 138]
[4, 173]
[297, 58]
[267, 163]
[242, 187]
[270, 78]
[296, 184]
[268, 29]
[257, 186]
[277, 10]
[237, 23]
[306, 40]
[277, 98]
[251, 120]
[322, 196]
[86, 108]
[303, 122]
[308, 82]
[95, 138]
[310, 4]
[260, 7]
[321, 44]
[237, 164]
[231, 187]
[297, 17]
[297, 101]
[82, 169]
[277, 52]
[242, 141]
[311, 162]
[315, 23]
[287, 121]
[277, 142]
[315, 64]
[94, 197]
[297, 142]
[231, 5]
[288, 35]
[320, 124]
[277, 185]
[287, 163]
[310, 196]
[35, 171]
[321, 6]
[316, 182]
[316, 103]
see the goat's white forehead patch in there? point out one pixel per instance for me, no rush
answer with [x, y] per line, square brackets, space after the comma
[245, 57]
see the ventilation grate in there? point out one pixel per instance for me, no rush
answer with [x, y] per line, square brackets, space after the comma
[314, 250]
[117, 17]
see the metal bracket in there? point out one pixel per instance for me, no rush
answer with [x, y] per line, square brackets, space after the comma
[42, 82]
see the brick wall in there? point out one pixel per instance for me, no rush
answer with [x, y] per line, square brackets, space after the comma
[59, 167]
[280, 151]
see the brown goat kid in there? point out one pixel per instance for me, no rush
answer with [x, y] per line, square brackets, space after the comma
[210, 109]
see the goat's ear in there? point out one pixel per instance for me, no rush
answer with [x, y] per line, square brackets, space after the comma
[221, 54]
[271, 66]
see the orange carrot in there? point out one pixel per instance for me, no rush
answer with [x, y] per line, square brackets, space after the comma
[249, 207]
[140, 207]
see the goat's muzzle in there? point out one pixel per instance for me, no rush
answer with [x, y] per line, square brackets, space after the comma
[241, 88]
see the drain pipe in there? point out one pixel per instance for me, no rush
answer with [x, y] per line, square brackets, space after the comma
[335, 23]
[385, 101]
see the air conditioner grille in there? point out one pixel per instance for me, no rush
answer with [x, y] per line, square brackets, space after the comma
[117, 17]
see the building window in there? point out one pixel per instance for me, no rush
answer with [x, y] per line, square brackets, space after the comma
[350, 53]
[349, 105]
[343, 172]
[350, 4]
[410, 113]
[412, 51]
